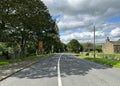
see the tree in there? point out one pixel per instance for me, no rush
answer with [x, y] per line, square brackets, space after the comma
[23, 22]
[87, 47]
[4, 12]
[74, 46]
[98, 48]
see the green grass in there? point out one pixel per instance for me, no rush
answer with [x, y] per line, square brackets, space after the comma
[108, 56]
[112, 63]
[5, 62]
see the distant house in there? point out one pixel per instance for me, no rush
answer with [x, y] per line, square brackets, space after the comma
[111, 46]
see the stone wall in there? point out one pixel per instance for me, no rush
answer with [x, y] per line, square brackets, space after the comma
[108, 47]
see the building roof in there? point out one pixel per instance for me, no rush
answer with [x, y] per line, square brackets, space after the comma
[115, 42]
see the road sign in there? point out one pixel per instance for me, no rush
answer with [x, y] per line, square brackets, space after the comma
[40, 45]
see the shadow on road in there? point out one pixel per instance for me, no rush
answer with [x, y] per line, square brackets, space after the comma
[76, 66]
[69, 65]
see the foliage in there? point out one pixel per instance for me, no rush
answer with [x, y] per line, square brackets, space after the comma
[3, 48]
[87, 47]
[74, 46]
[109, 56]
[98, 48]
[22, 23]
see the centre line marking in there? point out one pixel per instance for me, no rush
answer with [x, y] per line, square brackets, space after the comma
[59, 75]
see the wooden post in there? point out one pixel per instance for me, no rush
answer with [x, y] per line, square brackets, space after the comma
[94, 42]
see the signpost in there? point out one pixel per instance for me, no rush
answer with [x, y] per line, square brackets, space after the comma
[40, 45]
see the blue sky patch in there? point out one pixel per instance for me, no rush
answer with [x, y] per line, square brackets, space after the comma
[56, 16]
[114, 19]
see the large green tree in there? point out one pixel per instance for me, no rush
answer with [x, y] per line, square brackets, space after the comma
[74, 46]
[24, 22]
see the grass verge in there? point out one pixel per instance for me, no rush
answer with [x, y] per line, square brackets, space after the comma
[112, 63]
[5, 62]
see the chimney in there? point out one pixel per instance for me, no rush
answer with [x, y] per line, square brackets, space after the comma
[108, 39]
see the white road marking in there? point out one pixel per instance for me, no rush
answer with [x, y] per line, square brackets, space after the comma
[59, 75]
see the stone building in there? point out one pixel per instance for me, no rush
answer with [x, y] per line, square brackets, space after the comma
[111, 46]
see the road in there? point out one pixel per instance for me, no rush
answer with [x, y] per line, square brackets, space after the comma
[65, 70]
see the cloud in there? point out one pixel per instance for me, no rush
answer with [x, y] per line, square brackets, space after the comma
[115, 32]
[73, 22]
[82, 15]
[82, 37]
[90, 7]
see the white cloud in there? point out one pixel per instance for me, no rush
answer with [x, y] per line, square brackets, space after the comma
[90, 7]
[70, 25]
[73, 22]
[115, 32]
[82, 37]
[83, 14]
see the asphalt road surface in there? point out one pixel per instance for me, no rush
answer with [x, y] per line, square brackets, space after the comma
[65, 70]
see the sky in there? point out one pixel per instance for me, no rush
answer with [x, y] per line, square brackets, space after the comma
[76, 19]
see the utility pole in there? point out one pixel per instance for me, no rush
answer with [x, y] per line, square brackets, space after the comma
[94, 42]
